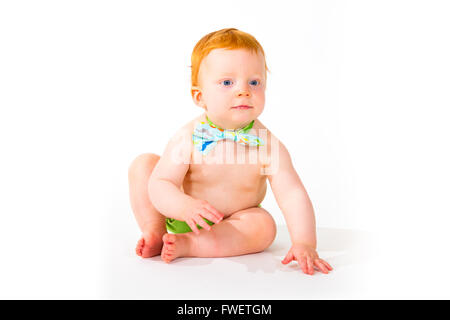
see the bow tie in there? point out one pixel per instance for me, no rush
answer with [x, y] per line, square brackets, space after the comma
[206, 136]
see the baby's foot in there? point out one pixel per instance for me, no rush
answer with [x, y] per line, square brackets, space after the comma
[175, 245]
[149, 246]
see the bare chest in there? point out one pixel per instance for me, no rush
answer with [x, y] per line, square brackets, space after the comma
[231, 176]
[229, 160]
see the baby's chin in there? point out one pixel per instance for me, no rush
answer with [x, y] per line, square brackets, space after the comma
[240, 119]
[239, 114]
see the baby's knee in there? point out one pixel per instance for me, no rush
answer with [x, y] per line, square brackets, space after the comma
[267, 230]
[142, 163]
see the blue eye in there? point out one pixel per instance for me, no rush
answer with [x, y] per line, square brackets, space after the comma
[226, 82]
[254, 82]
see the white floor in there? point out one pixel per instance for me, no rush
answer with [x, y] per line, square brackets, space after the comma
[86, 258]
[86, 251]
[256, 276]
[396, 263]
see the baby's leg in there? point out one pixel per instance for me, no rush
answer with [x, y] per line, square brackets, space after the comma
[246, 231]
[150, 221]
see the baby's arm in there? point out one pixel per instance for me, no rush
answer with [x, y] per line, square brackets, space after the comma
[293, 200]
[165, 183]
[298, 211]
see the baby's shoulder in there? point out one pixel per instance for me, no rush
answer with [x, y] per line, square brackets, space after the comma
[179, 147]
[182, 138]
[274, 146]
[262, 131]
[185, 132]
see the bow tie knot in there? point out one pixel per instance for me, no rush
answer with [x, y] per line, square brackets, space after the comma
[206, 136]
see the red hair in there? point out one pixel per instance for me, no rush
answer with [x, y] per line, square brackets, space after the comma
[229, 38]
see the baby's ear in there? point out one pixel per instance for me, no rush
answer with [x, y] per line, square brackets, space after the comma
[197, 96]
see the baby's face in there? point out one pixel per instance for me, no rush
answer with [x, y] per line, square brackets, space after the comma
[230, 78]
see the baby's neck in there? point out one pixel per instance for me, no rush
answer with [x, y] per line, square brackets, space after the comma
[235, 126]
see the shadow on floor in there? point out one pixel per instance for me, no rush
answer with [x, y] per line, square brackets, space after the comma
[339, 247]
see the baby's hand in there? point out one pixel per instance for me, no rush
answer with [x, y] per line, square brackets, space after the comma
[307, 258]
[196, 210]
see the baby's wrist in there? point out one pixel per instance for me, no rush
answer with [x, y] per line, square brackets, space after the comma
[186, 205]
[299, 243]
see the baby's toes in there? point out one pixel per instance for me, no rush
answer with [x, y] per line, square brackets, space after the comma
[166, 258]
[149, 246]
[169, 249]
[139, 246]
[169, 238]
[166, 255]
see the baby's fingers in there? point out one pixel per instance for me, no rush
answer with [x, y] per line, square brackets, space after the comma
[289, 257]
[326, 264]
[214, 212]
[320, 265]
[210, 216]
[191, 223]
[310, 264]
[303, 264]
[203, 223]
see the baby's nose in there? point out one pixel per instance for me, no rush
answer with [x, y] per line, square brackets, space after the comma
[243, 92]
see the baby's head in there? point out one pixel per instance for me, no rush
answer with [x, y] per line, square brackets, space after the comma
[229, 70]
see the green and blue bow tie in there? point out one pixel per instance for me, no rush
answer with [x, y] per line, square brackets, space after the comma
[206, 136]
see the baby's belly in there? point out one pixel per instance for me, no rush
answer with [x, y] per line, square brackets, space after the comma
[227, 190]
[227, 200]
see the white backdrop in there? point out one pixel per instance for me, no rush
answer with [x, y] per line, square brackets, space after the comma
[358, 91]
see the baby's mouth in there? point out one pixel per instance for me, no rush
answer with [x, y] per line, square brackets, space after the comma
[242, 107]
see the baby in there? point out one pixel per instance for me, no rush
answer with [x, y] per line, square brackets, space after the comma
[202, 197]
